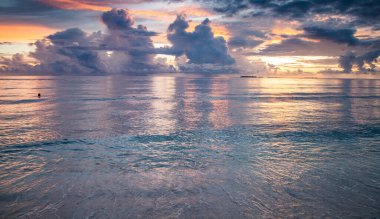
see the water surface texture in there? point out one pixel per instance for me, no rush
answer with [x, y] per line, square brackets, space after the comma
[189, 146]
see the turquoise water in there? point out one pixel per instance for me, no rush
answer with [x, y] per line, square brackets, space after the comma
[189, 146]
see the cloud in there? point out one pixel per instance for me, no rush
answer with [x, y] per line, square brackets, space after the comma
[243, 42]
[325, 61]
[134, 44]
[126, 47]
[294, 8]
[122, 49]
[69, 36]
[14, 64]
[37, 12]
[254, 33]
[199, 46]
[299, 47]
[60, 54]
[348, 60]
[117, 19]
[344, 35]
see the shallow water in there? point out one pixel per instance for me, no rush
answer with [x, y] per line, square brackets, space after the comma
[189, 146]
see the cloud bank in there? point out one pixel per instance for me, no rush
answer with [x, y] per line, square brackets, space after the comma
[123, 48]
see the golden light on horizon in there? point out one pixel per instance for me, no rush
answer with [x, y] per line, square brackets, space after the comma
[295, 63]
[24, 32]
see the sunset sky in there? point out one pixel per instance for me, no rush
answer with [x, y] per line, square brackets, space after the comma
[218, 36]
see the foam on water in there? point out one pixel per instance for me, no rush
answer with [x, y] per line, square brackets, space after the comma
[189, 147]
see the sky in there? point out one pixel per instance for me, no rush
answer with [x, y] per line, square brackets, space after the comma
[206, 36]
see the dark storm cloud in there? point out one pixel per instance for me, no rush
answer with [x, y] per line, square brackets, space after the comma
[350, 59]
[345, 35]
[200, 46]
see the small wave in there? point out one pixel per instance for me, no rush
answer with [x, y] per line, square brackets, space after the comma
[118, 98]
[359, 132]
[10, 102]
[45, 144]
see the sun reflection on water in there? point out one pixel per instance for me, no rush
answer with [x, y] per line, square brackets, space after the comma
[187, 146]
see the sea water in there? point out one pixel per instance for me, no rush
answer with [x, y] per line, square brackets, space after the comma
[189, 146]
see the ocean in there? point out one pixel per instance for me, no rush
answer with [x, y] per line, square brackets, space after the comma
[189, 146]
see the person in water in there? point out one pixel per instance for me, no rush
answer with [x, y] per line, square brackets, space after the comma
[39, 95]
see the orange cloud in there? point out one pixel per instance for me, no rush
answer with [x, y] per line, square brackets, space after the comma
[286, 27]
[153, 15]
[75, 5]
[24, 33]
[106, 6]
[192, 10]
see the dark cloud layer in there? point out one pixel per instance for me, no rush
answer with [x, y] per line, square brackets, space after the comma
[364, 12]
[39, 12]
[345, 35]
[200, 46]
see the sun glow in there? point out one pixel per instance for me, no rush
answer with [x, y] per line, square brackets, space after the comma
[280, 60]
[24, 33]
[300, 63]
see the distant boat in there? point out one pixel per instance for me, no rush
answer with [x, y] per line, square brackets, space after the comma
[248, 76]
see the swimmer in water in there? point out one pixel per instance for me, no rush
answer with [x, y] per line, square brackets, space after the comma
[39, 95]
